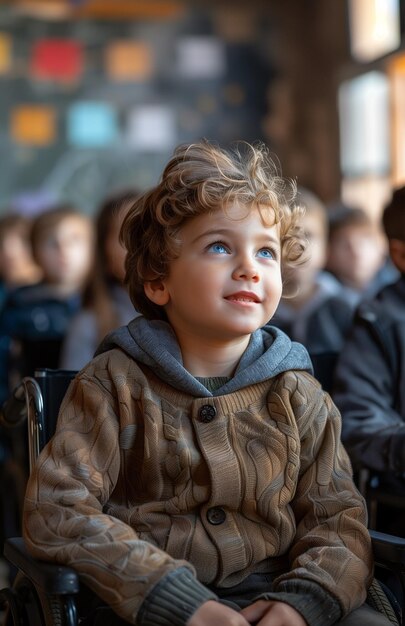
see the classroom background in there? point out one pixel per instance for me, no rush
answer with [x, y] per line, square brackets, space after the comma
[94, 94]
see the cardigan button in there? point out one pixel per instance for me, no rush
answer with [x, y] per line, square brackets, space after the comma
[216, 515]
[207, 413]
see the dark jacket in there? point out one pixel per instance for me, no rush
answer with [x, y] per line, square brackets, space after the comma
[369, 387]
[33, 323]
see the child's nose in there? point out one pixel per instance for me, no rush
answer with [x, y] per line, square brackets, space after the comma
[246, 270]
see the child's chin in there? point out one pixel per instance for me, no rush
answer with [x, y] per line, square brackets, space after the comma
[246, 329]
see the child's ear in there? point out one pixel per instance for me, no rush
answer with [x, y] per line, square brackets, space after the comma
[397, 252]
[156, 291]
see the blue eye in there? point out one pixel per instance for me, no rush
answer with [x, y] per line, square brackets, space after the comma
[218, 248]
[265, 253]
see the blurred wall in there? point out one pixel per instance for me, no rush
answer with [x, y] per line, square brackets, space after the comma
[311, 54]
[104, 109]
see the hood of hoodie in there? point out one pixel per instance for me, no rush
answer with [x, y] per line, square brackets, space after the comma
[154, 344]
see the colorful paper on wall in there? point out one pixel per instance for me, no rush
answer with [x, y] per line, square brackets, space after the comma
[152, 128]
[128, 61]
[33, 124]
[92, 124]
[5, 53]
[201, 58]
[57, 60]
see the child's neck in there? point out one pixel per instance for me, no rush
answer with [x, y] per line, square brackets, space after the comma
[210, 359]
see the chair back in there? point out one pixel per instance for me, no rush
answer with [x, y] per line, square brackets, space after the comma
[53, 384]
[42, 352]
[37, 399]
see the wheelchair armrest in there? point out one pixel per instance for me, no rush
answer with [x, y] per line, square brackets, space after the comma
[54, 579]
[389, 550]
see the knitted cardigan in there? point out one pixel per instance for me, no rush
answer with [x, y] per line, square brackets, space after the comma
[153, 494]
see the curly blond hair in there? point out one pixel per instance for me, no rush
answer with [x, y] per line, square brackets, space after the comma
[201, 178]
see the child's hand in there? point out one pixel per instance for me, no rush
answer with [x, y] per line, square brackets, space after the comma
[213, 613]
[261, 613]
[271, 613]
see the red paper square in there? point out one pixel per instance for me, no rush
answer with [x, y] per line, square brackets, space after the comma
[57, 59]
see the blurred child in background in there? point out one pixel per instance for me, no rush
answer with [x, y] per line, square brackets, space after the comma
[17, 266]
[106, 303]
[317, 314]
[34, 318]
[33, 322]
[357, 253]
[370, 391]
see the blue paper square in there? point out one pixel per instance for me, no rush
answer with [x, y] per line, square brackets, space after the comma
[92, 125]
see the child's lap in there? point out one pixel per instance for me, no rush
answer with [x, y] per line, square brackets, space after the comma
[237, 597]
[363, 616]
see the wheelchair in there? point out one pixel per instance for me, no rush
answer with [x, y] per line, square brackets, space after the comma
[42, 594]
[47, 594]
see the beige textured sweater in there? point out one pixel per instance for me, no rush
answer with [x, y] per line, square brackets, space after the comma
[153, 494]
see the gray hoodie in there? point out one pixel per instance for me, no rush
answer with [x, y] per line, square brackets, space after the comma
[153, 343]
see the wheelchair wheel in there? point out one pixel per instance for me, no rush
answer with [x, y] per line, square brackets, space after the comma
[58, 610]
[29, 606]
[14, 611]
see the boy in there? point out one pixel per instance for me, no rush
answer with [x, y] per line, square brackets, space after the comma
[370, 392]
[317, 313]
[196, 469]
[357, 254]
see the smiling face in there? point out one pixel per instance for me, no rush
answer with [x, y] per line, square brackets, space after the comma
[226, 283]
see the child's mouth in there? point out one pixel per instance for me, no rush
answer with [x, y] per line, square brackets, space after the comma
[243, 297]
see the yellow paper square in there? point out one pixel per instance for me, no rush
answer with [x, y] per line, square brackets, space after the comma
[128, 61]
[5, 53]
[33, 124]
